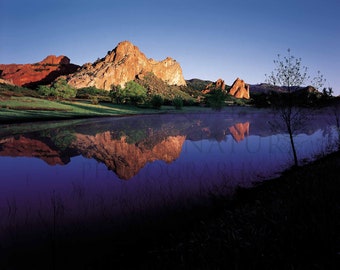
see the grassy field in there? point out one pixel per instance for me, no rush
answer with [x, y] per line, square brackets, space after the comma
[26, 109]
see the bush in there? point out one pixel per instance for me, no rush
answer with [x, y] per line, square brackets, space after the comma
[156, 101]
[59, 89]
[46, 91]
[64, 90]
[94, 100]
[135, 93]
[178, 103]
[91, 91]
[216, 99]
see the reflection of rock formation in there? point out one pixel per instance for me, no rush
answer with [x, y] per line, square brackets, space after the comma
[123, 158]
[239, 131]
[27, 147]
[125, 147]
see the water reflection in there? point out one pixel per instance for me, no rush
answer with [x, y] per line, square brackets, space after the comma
[239, 131]
[123, 150]
[168, 160]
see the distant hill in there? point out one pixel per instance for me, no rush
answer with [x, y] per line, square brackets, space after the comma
[265, 88]
[198, 84]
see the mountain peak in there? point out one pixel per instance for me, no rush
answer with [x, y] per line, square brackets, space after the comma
[124, 63]
[55, 60]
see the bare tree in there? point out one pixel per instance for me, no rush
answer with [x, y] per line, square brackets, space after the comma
[290, 74]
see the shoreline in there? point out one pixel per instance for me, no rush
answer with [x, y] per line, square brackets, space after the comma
[138, 111]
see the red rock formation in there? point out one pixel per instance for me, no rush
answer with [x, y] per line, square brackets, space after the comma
[5, 82]
[27, 147]
[219, 84]
[240, 89]
[44, 72]
[239, 131]
[123, 158]
[124, 64]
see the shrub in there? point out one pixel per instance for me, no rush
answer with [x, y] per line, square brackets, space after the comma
[156, 101]
[91, 91]
[46, 91]
[59, 89]
[133, 93]
[178, 103]
[63, 89]
[94, 100]
[216, 99]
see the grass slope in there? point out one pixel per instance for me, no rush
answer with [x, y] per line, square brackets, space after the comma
[20, 109]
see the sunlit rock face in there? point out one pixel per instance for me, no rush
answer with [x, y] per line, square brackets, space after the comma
[5, 82]
[28, 147]
[126, 159]
[240, 89]
[219, 84]
[123, 64]
[43, 72]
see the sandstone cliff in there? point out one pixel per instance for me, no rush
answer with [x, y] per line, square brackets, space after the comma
[6, 82]
[43, 72]
[219, 84]
[123, 64]
[240, 89]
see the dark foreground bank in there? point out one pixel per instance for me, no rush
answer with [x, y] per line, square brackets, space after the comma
[292, 222]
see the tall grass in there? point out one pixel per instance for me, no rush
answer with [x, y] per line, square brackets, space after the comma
[288, 223]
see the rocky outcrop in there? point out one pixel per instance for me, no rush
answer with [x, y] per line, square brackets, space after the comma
[124, 64]
[219, 84]
[240, 89]
[5, 82]
[32, 75]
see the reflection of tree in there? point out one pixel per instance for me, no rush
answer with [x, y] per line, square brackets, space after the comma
[239, 131]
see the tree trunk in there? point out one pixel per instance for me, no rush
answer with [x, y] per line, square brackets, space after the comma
[293, 147]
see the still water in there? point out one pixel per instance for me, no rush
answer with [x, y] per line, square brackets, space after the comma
[117, 167]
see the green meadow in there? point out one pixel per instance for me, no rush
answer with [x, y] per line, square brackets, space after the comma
[26, 109]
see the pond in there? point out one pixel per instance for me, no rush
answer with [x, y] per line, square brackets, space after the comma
[114, 168]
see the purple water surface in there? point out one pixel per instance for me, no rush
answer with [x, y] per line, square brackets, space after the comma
[116, 167]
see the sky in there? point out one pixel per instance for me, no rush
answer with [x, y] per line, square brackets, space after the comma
[210, 39]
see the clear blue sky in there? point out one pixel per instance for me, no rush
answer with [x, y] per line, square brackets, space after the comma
[210, 39]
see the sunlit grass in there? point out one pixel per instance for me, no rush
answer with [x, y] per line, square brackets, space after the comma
[28, 108]
[24, 109]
